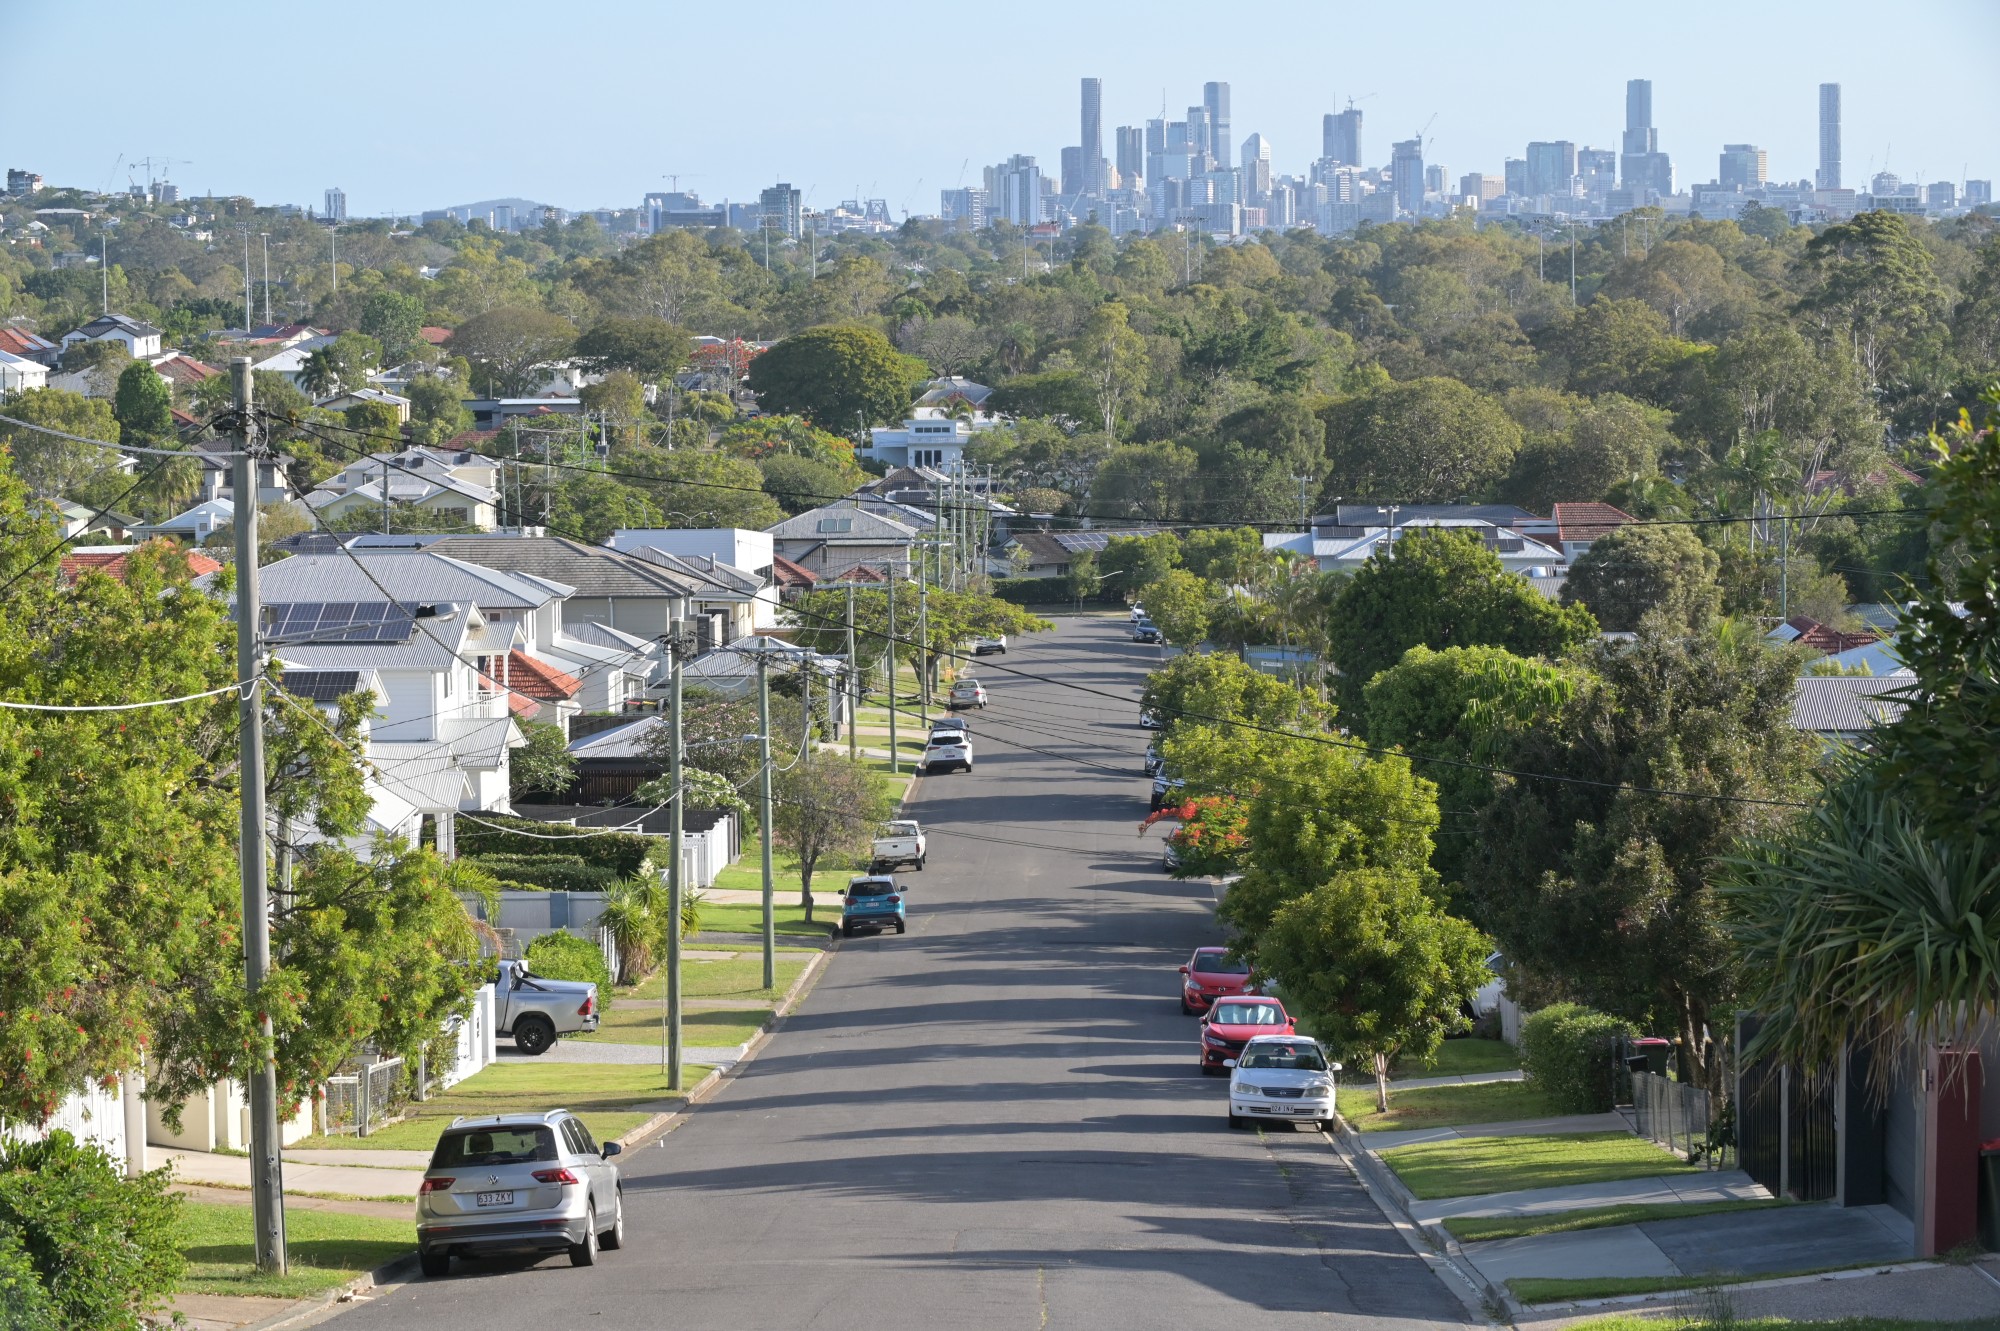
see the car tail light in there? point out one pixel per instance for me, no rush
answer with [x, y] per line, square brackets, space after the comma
[555, 1176]
[895, 901]
[435, 1185]
[589, 1005]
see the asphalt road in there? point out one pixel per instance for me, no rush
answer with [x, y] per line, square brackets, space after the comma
[995, 1120]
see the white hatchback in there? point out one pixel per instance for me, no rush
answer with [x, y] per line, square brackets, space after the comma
[1282, 1076]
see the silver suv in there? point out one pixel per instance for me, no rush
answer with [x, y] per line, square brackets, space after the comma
[519, 1183]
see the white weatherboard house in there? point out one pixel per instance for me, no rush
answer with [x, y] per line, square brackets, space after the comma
[141, 340]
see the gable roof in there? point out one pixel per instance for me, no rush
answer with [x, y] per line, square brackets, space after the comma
[1847, 704]
[787, 574]
[1587, 522]
[1809, 631]
[861, 526]
[402, 575]
[112, 563]
[589, 570]
[24, 343]
[706, 574]
[538, 679]
[106, 324]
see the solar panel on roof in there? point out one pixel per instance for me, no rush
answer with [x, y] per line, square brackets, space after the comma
[321, 685]
[299, 622]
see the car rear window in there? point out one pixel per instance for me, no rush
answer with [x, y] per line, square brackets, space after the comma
[494, 1146]
[1248, 1014]
[1215, 963]
[869, 890]
[947, 737]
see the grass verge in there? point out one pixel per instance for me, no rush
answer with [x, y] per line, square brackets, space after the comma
[603, 1095]
[1471, 1166]
[326, 1249]
[741, 977]
[747, 917]
[1460, 1058]
[639, 1023]
[1443, 1106]
[1626, 1322]
[1541, 1289]
[1476, 1228]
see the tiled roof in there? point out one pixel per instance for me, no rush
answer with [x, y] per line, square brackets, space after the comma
[1587, 522]
[1889, 473]
[434, 335]
[1829, 640]
[787, 574]
[24, 343]
[112, 564]
[1847, 704]
[862, 573]
[539, 679]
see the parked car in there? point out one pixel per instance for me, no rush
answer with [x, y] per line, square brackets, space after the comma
[1211, 973]
[1146, 631]
[1282, 1076]
[1163, 786]
[1486, 998]
[1153, 759]
[995, 646]
[1232, 1022]
[519, 1183]
[534, 1009]
[1150, 719]
[1138, 612]
[874, 902]
[1170, 860]
[947, 750]
[958, 723]
[967, 693]
[901, 843]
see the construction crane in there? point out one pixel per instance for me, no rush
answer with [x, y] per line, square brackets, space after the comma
[1362, 98]
[1421, 140]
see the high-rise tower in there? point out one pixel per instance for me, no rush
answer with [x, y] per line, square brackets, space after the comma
[1641, 164]
[1131, 154]
[1828, 176]
[1215, 97]
[1092, 175]
[1340, 137]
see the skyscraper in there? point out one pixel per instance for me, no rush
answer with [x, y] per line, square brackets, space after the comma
[1406, 177]
[336, 204]
[1642, 165]
[1828, 176]
[1742, 166]
[1132, 154]
[1552, 168]
[1340, 137]
[1014, 191]
[779, 208]
[1256, 170]
[1200, 134]
[1215, 100]
[1093, 138]
[1070, 184]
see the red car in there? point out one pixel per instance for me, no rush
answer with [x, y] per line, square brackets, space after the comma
[1211, 974]
[1232, 1021]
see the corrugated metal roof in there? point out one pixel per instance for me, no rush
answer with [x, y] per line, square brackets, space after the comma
[1847, 704]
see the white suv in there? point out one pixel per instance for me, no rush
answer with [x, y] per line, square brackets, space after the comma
[1281, 1076]
[947, 749]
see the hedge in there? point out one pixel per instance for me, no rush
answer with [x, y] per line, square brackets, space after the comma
[550, 873]
[1045, 591]
[561, 955]
[80, 1244]
[1567, 1051]
[623, 852]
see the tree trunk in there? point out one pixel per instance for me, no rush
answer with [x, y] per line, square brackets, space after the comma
[806, 886]
[1381, 1083]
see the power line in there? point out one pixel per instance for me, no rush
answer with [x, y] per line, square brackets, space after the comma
[128, 706]
[122, 448]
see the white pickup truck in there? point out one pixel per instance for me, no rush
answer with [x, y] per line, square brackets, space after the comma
[901, 843]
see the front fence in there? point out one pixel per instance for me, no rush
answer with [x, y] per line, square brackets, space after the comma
[362, 1098]
[1680, 1116]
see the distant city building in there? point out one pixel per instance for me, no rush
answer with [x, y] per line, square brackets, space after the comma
[1552, 169]
[1341, 137]
[1215, 100]
[336, 205]
[1978, 193]
[1885, 184]
[1256, 170]
[1742, 166]
[1473, 185]
[1092, 183]
[1200, 137]
[1516, 177]
[1940, 195]
[1597, 173]
[1406, 176]
[1131, 154]
[964, 207]
[22, 182]
[1828, 176]
[1070, 184]
[1014, 190]
[779, 210]
[1644, 170]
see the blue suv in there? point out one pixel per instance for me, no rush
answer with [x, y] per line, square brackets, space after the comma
[872, 903]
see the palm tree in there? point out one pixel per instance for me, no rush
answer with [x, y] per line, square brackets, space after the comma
[320, 375]
[631, 915]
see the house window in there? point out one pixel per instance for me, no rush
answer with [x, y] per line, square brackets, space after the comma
[927, 457]
[836, 524]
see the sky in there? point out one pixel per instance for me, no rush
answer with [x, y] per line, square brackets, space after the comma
[409, 106]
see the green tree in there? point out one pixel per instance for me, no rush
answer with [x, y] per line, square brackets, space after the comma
[1224, 554]
[1133, 562]
[1614, 346]
[379, 422]
[589, 507]
[800, 483]
[1375, 966]
[1599, 884]
[824, 811]
[1154, 481]
[1082, 581]
[395, 321]
[1112, 357]
[1436, 588]
[1873, 292]
[144, 406]
[647, 346]
[1182, 605]
[1213, 689]
[1063, 396]
[1424, 441]
[543, 765]
[696, 488]
[1631, 572]
[1575, 448]
[437, 408]
[53, 467]
[840, 378]
[92, 1248]
[509, 344]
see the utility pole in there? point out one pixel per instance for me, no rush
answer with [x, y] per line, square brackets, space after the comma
[1785, 569]
[104, 268]
[1572, 265]
[764, 815]
[333, 254]
[923, 644]
[671, 990]
[267, 1192]
[265, 238]
[895, 757]
[247, 316]
[853, 684]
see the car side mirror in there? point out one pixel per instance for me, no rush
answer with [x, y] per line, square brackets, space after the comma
[1184, 970]
[1291, 1026]
[611, 1149]
[1334, 1066]
[1228, 1062]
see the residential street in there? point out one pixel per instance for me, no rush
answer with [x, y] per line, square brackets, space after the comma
[994, 1120]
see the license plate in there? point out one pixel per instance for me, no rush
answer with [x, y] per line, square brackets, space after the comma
[494, 1199]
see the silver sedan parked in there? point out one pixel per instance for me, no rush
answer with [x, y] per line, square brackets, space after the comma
[533, 1183]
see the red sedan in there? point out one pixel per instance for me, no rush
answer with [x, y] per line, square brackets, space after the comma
[1211, 974]
[1233, 1021]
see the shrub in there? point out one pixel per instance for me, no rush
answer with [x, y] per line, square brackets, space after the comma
[1045, 591]
[100, 1247]
[552, 873]
[1567, 1051]
[622, 852]
[562, 955]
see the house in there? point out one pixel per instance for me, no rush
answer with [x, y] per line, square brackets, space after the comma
[80, 520]
[735, 602]
[18, 374]
[953, 395]
[376, 396]
[1358, 532]
[111, 560]
[1809, 632]
[1049, 554]
[616, 590]
[20, 342]
[274, 484]
[1577, 525]
[791, 579]
[141, 340]
[193, 526]
[290, 358]
[492, 413]
[918, 442]
[183, 373]
[459, 484]
[732, 545]
[837, 536]
[1843, 709]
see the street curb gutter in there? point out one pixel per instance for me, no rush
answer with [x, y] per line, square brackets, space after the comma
[1440, 1251]
[389, 1273]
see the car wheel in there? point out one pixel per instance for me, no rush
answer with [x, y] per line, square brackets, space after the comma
[1235, 1120]
[435, 1265]
[534, 1035]
[1186, 1011]
[901, 927]
[920, 866]
[614, 1238]
[585, 1253]
[846, 929]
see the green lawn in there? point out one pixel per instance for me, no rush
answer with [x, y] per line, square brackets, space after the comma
[639, 1023]
[602, 1094]
[1458, 1058]
[1470, 1166]
[1443, 1106]
[1474, 1228]
[1538, 1289]
[747, 874]
[325, 1249]
[747, 917]
[1626, 1322]
[742, 977]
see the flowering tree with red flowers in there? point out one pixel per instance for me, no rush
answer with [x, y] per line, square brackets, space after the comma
[1212, 837]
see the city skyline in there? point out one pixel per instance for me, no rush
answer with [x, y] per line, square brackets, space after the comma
[797, 114]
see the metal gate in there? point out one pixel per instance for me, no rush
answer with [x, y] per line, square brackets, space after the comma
[1813, 1169]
